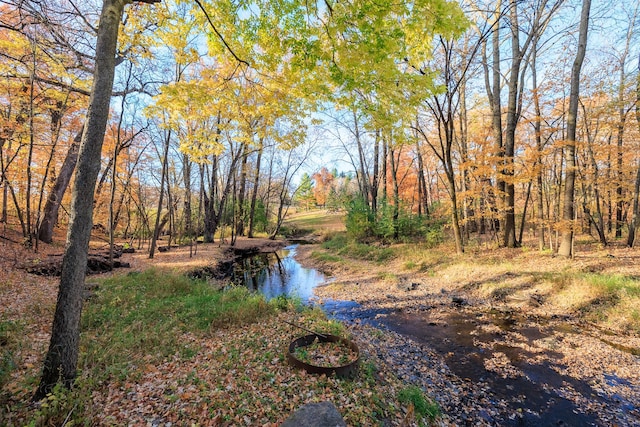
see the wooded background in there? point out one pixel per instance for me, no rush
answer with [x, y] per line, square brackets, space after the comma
[440, 112]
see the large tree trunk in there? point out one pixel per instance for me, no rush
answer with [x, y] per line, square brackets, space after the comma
[385, 190]
[494, 99]
[537, 126]
[375, 178]
[423, 190]
[52, 205]
[61, 361]
[508, 172]
[394, 163]
[568, 211]
[56, 119]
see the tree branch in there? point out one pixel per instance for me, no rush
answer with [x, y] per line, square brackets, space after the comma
[237, 58]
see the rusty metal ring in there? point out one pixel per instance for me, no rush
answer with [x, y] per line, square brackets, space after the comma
[347, 370]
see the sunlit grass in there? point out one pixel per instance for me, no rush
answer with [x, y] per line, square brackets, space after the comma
[424, 408]
[326, 257]
[149, 311]
[316, 220]
[346, 248]
[608, 298]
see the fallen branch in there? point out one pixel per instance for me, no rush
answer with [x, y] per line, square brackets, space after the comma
[305, 329]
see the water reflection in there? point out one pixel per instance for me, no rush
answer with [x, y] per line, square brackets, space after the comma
[278, 273]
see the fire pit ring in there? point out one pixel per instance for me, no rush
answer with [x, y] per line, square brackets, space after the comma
[347, 370]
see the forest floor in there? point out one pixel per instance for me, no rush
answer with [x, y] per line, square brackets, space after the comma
[494, 336]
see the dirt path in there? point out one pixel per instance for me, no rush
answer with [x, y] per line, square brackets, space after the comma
[488, 362]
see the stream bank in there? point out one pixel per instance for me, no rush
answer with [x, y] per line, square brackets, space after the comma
[487, 362]
[484, 361]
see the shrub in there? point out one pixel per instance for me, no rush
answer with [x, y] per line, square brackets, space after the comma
[359, 221]
[362, 225]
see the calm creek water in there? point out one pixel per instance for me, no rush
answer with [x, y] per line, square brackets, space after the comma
[278, 273]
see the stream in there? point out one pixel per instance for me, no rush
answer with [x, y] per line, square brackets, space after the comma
[519, 361]
[278, 273]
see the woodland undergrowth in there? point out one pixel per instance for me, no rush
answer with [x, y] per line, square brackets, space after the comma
[160, 348]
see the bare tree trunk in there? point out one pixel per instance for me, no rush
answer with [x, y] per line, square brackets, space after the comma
[30, 233]
[568, 211]
[61, 361]
[163, 178]
[523, 223]
[375, 178]
[187, 214]
[56, 120]
[423, 196]
[241, 192]
[254, 191]
[394, 163]
[493, 93]
[636, 191]
[385, 155]
[362, 175]
[171, 211]
[5, 199]
[213, 217]
[508, 171]
[537, 126]
[599, 223]
[52, 205]
[201, 194]
[619, 188]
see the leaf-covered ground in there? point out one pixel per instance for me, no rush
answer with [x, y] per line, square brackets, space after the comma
[227, 375]
[238, 375]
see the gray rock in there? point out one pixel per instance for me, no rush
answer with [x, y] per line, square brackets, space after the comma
[323, 414]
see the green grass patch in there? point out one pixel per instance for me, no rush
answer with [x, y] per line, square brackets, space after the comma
[370, 253]
[424, 408]
[342, 246]
[9, 341]
[387, 276]
[145, 313]
[326, 257]
[621, 286]
[614, 299]
[337, 242]
[314, 220]
[611, 299]
[410, 265]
